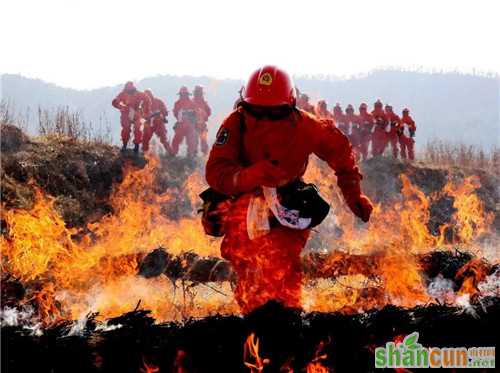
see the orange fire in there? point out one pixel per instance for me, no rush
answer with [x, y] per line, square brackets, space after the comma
[251, 356]
[149, 368]
[68, 278]
[316, 364]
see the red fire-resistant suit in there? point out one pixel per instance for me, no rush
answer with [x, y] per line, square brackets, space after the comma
[339, 118]
[406, 132]
[156, 125]
[365, 125]
[379, 135]
[203, 113]
[321, 110]
[392, 136]
[134, 107]
[186, 115]
[303, 104]
[269, 267]
[351, 124]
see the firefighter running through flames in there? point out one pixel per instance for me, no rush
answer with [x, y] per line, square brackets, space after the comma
[259, 157]
[134, 108]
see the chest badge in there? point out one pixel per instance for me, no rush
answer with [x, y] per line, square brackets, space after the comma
[222, 137]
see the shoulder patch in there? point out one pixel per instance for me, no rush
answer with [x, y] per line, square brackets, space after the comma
[222, 136]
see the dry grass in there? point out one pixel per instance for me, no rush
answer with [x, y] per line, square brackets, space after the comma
[61, 123]
[441, 153]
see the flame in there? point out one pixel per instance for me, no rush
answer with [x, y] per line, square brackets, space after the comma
[251, 356]
[149, 368]
[98, 272]
[69, 274]
[316, 364]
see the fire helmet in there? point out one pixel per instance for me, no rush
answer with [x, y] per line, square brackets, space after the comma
[198, 90]
[130, 87]
[269, 86]
[378, 104]
[183, 91]
[406, 110]
[363, 106]
[388, 107]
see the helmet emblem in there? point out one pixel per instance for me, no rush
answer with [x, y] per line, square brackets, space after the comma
[266, 79]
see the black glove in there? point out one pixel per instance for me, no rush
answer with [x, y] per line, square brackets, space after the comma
[412, 133]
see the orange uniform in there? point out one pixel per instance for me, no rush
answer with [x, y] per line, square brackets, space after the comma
[393, 121]
[269, 266]
[303, 104]
[406, 133]
[185, 128]
[203, 113]
[156, 124]
[321, 110]
[352, 129]
[134, 108]
[365, 125]
[379, 135]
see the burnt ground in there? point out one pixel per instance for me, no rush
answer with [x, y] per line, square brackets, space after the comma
[215, 344]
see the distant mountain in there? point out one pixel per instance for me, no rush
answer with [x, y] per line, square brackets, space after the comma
[450, 106]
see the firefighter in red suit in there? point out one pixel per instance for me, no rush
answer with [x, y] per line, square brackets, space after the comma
[156, 123]
[203, 112]
[365, 125]
[352, 128]
[185, 128]
[321, 110]
[303, 103]
[379, 135]
[393, 121]
[134, 108]
[272, 150]
[406, 132]
[339, 117]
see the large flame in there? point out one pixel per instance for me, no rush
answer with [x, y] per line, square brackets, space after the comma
[70, 273]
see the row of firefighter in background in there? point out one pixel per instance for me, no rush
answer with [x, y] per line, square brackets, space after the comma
[145, 115]
[381, 127]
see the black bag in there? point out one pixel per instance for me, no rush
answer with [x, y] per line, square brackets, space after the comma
[306, 199]
[212, 223]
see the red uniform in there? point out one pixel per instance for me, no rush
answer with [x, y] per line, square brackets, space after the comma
[185, 128]
[203, 113]
[269, 266]
[339, 117]
[393, 121]
[303, 104]
[406, 132]
[134, 107]
[365, 125]
[156, 124]
[352, 130]
[321, 111]
[379, 135]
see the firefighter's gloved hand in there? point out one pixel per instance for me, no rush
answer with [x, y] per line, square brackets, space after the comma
[262, 173]
[361, 207]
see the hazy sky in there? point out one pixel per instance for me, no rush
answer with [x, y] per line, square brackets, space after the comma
[93, 43]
